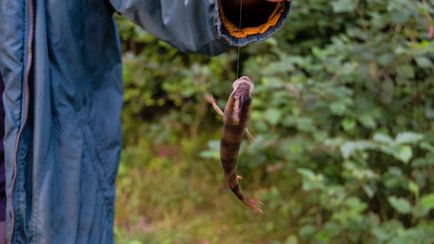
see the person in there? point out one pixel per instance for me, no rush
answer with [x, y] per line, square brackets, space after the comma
[61, 66]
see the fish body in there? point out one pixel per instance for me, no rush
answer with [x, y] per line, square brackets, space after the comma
[236, 117]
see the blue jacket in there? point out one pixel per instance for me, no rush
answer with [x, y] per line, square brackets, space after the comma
[61, 65]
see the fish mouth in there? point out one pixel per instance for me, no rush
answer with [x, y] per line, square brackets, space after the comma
[244, 80]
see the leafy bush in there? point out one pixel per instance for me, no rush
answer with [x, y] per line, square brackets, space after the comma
[343, 118]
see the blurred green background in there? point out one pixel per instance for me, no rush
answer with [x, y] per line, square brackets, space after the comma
[343, 119]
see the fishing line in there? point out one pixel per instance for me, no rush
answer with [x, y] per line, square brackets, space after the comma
[239, 27]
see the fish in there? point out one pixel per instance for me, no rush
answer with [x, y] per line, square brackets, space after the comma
[236, 116]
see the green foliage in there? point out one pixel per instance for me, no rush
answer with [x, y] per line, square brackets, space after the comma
[343, 119]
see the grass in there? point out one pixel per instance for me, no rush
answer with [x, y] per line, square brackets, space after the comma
[168, 194]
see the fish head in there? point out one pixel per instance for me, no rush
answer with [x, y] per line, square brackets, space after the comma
[242, 89]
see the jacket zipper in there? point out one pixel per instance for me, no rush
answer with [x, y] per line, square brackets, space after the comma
[26, 112]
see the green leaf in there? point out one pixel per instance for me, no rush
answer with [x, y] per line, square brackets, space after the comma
[307, 230]
[348, 124]
[343, 6]
[424, 62]
[404, 154]
[427, 201]
[273, 115]
[213, 150]
[367, 120]
[414, 188]
[400, 204]
[292, 239]
[338, 108]
[306, 173]
[408, 138]
[348, 148]
[370, 192]
[383, 138]
[427, 146]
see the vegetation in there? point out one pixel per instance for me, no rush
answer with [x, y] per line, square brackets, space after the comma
[343, 119]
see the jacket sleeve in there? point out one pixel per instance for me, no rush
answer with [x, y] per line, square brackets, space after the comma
[197, 25]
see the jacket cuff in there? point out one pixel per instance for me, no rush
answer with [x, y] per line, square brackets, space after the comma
[241, 37]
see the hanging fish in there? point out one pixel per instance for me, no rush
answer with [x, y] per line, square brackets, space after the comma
[236, 117]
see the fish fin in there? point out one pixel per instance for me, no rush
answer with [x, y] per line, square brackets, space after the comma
[254, 204]
[209, 98]
[249, 136]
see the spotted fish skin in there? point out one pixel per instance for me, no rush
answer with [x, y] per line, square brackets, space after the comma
[236, 118]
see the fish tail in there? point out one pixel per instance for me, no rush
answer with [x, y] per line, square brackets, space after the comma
[250, 202]
[254, 204]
